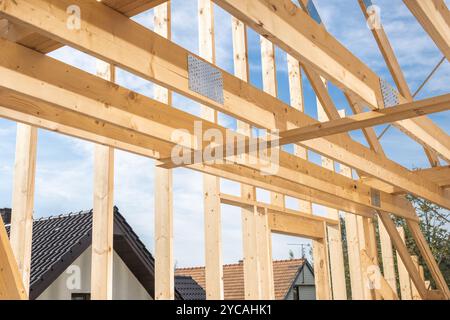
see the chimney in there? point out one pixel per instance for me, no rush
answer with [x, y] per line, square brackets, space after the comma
[6, 215]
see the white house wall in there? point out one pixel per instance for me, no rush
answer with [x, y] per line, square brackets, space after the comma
[77, 279]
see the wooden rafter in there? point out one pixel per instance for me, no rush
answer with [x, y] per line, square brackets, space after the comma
[394, 68]
[434, 17]
[41, 43]
[293, 30]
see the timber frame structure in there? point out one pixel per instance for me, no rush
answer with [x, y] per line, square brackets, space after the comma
[40, 92]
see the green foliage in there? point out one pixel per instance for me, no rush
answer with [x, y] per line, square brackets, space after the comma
[435, 225]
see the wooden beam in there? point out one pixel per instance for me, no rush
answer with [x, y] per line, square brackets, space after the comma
[103, 213]
[387, 257]
[427, 255]
[371, 248]
[252, 286]
[286, 25]
[164, 260]
[211, 184]
[336, 253]
[270, 85]
[388, 53]
[248, 202]
[321, 268]
[414, 291]
[295, 225]
[439, 175]
[373, 275]
[403, 276]
[354, 245]
[393, 65]
[252, 271]
[403, 253]
[23, 199]
[43, 44]
[241, 100]
[369, 132]
[264, 241]
[367, 119]
[434, 17]
[11, 283]
[354, 259]
[160, 121]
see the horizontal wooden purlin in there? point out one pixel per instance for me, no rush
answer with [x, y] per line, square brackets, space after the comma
[41, 43]
[243, 203]
[434, 17]
[294, 31]
[162, 61]
[367, 119]
[284, 221]
[63, 88]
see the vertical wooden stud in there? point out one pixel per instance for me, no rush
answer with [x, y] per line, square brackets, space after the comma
[213, 238]
[252, 283]
[164, 261]
[321, 268]
[23, 200]
[404, 280]
[103, 213]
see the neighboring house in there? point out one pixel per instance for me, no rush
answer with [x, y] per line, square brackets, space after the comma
[293, 279]
[61, 260]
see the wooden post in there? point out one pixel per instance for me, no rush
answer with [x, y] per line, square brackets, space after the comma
[337, 271]
[371, 249]
[103, 213]
[415, 292]
[11, 283]
[213, 238]
[270, 86]
[164, 261]
[264, 243]
[403, 276]
[23, 199]
[252, 271]
[321, 268]
[387, 256]
[353, 249]
[297, 102]
[252, 283]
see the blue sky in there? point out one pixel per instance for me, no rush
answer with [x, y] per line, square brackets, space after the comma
[64, 165]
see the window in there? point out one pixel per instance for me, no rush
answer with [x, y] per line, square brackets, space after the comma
[296, 293]
[81, 296]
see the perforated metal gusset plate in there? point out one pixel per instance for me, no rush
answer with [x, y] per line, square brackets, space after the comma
[375, 197]
[312, 10]
[205, 79]
[390, 95]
